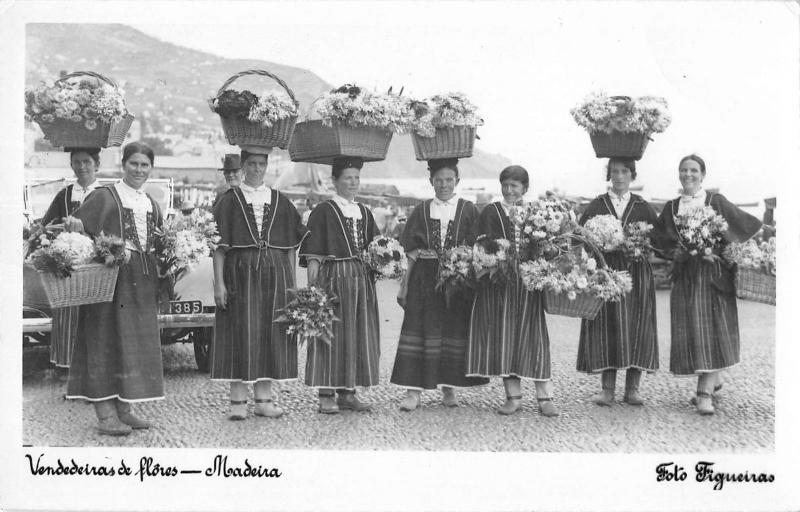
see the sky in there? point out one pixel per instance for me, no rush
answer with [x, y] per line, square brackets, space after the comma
[728, 71]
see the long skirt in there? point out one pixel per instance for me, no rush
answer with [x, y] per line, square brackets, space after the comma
[117, 351]
[433, 339]
[508, 334]
[704, 319]
[623, 335]
[62, 337]
[353, 357]
[248, 346]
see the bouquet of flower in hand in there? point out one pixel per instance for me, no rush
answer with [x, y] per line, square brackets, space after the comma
[86, 101]
[751, 254]
[310, 315]
[573, 273]
[266, 109]
[701, 231]
[493, 259]
[599, 112]
[59, 252]
[455, 271]
[444, 111]
[543, 226]
[386, 258]
[354, 106]
[182, 242]
[604, 231]
[636, 245]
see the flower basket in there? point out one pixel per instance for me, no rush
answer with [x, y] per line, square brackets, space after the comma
[756, 285]
[67, 133]
[316, 143]
[620, 144]
[583, 306]
[88, 284]
[240, 131]
[454, 142]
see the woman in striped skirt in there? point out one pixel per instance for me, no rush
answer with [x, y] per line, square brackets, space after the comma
[84, 163]
[433, 338]
[703, 315]
[508, 334]
[623, 335]
[341, 229]
[258, 227]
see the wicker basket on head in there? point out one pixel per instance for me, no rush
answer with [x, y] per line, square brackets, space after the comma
[454, 142]
[755, 284]
[67, 133]
[88, 284]
[240, 131]
[620, 144]
[316, 143]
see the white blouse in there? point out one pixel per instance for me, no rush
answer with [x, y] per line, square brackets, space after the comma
[79, 193]
[140, 204]
[619, 202]
[444, 212]
[688, 203]
[258, 197]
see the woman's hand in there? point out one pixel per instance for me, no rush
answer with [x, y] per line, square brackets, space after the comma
[401, 296]
[73, 224]
[220, 295]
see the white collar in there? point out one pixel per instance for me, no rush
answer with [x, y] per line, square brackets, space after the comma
[247, 188]
[508, 205]
[91, 186]
[344, 201]
[129, 189]
[449, 202]
[697, 195]
[624, 197]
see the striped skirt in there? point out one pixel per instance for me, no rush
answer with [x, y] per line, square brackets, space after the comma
[508, 333]
[353, 357]
[623, 335]
[433, 339]
[62, 337]
[248, 346]
[117, 352]
[704, 318]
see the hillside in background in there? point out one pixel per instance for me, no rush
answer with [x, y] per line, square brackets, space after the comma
[167, 87]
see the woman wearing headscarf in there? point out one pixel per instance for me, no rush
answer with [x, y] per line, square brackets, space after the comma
[433, 338]
[253, 271]
[623, 336]
[703, 314]
[84, 163]
[117, 355]
[341, 228]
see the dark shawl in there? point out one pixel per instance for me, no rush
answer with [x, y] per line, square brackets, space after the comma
[638, 210]
[494, 223]
[60, 207]
[417, 234]
[101, 211]
[328, 237]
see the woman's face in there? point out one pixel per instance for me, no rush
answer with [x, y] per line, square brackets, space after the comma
[233, 178]
[444, 183]
[513, 190]
[84, 167]
[136, 170]
[255, 168]
[691, 176]
[348, 182]
[620, 177]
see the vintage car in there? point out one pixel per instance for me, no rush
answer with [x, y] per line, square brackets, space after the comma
[186, 307]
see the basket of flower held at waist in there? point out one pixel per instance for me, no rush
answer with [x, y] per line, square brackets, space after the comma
[541, 228]
[386, 257]
[444, 126]
[70, 269]
[755, 269]
[248, 119]
[620, 126]
[182, 242]
[353, 122]
[89, 112]
[309, 315]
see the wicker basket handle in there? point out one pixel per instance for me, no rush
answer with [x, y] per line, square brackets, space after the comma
[75, 74]
[620, 98]
[596, 250]
[259, 72]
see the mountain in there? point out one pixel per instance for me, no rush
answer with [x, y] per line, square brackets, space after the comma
[167, 86]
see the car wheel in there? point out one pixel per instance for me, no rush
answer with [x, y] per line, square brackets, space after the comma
[201, 339]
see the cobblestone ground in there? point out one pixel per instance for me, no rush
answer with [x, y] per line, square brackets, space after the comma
[194, 412]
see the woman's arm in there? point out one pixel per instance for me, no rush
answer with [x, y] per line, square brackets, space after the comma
[403, 292]
[312, 271]
[220, 291]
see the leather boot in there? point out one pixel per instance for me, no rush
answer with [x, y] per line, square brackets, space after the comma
[632, 378]
[608, 380]
[108, 423]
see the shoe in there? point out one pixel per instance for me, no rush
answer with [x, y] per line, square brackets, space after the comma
[546, 407]
[632, 397]
[717, 388]
[604, 398]
[350, 402]
[449, 398]
[510, 408]
[269, 410]
[238, 410]
[704, 404]
[327, 404]
[126, 416]
[410, 402]
[112, 426]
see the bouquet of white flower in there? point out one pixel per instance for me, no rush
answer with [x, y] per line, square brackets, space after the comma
[604, 231]
[182, 242]
[310, 315]
[701, 231]
[493, 259]
[544, 226]
[455, 271]
[386, 258]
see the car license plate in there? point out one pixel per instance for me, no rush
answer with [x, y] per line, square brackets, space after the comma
[185, 307]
